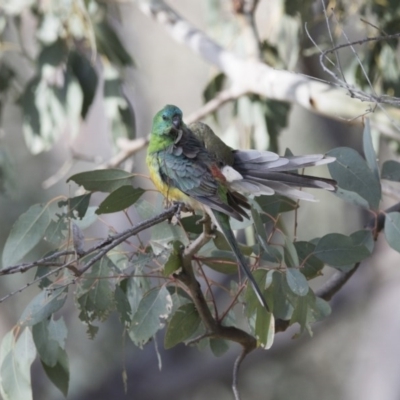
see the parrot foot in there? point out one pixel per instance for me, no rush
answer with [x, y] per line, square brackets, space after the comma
[205, 218]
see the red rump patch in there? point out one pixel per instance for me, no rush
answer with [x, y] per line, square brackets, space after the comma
[217, 174]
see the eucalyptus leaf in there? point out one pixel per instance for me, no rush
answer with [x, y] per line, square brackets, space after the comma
[392, 230]
[352, 173]
[26, 233]
[120, 199]
[391, 171]
[77, 206]
[152, 312]
[102, 180]
[95, 293]
[369, 151]
[311, 265]
[15, 368]
[49, 337]
[339, 250]
[59, 373]
[182, 325]
[264, 327]
[46, 303]
[297, 282]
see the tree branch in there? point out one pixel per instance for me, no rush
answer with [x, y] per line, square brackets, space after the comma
[255, 77]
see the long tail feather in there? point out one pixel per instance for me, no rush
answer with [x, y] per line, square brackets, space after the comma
[222, 221]
[262, 173]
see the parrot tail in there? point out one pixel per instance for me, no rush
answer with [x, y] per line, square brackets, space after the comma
[222, 222]
[264, 172]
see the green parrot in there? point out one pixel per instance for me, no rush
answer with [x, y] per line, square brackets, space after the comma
[263, 172]
[184, 170]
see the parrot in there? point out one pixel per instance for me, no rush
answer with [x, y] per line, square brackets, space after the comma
[263, 172]
[183, 169]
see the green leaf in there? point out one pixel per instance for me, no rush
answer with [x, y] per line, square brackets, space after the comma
[352, 197]
[59, 373]
[47, 302]
[56, 231]
[174, 261]
[297, 281]
[364, 238]
[213, 88]
[153, 311]
[259, 226]
[86, 75]
[222, 244]
[120, 199]
[118, 108]
[122, 303]
[219, 347]
[49, 337]
[26, 233]
[339, 250]
[134, 293]
[94, 293]
[250, 297]
[312, 266]
[276, 118]
[109, 44]
[164, 233]
[392, 230]
[301, 313]
[53, 54]
[264, 328]
[15, 370]
[291, 257]
[369, 151]
[102, 180]
[89, 219]
[278, 295]
[77, 206]
[319, 310]
[190, 224]
[274, 205]
[352, 173]
[182, 325]
[391, 171]
[221, 261]
[48, 105]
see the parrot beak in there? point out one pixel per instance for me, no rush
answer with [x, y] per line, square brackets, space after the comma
[176, 121]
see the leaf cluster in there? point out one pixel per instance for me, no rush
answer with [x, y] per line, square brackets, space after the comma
[155, 284]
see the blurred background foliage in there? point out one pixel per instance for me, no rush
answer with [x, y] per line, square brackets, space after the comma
[78, 76]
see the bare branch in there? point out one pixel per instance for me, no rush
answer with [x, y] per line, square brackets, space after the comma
[258, 78]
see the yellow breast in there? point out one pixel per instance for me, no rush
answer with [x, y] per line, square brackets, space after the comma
[169, 192]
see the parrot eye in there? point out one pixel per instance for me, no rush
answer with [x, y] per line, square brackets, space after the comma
[164, 117]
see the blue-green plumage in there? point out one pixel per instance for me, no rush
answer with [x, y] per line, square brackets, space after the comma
[184, 170]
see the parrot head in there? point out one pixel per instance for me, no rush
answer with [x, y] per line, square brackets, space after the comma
[167, 119]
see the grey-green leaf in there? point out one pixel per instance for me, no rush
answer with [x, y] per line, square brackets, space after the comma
[391, 171]
[49, 337]
[120, 199]
[43, 305]
[26, 233]
[311, 265]
[392, 230]
[352, 173]
[102, 180]
[369, 151]
[153, 310]
[297, 281]
[339, 250]
[182, 325]
[15, 370]
[264, 327]
[59, 373]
